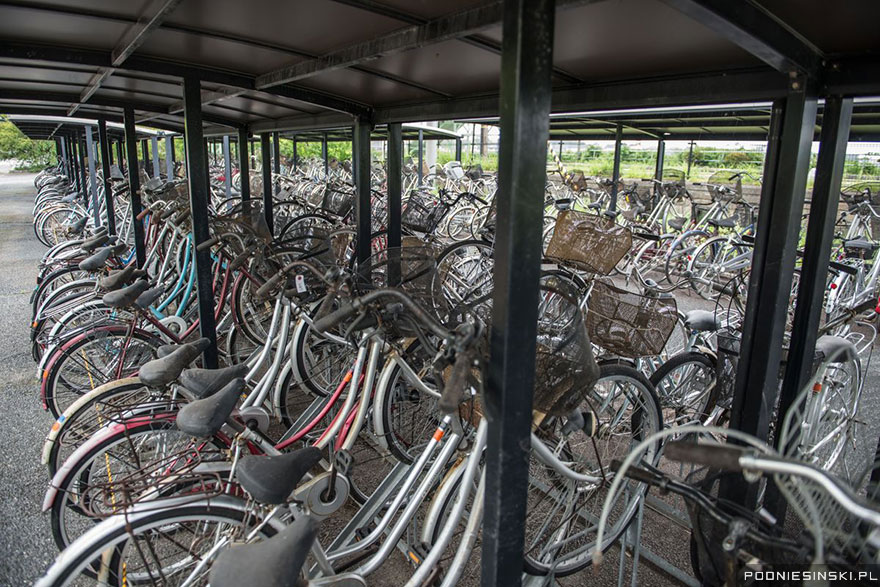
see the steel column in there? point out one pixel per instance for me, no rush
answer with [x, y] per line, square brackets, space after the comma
[227, 166]
[106, 152]
[169, 157]
[458, 149]
[134, 185]
[109, 147]
[294, 153]
[690, 158]
[244, 164]
[197, 179]
[782, 198]
[361, 156]
[93, 181]
[658, 167]
[120, 158]
[615, 173]
[75, 164]
[526, 66]
[325, 154]
[421, 154]
[81, 151]
[836, 118]
[395, 183]
[145, 153]
[64, 161]
[266, 153]
[154, 147]
[276, 153]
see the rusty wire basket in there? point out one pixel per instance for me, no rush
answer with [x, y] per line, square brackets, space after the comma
[629, 324]
[588, 242]
[423, 212]
[565, 369]
[338, 199]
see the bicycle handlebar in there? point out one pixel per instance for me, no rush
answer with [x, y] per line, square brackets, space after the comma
[721, 457]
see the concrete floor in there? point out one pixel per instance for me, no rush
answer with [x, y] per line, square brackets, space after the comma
[26, 547]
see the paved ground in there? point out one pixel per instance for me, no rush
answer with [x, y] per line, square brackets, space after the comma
[26, 548]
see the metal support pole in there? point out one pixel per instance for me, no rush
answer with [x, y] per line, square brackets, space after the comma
[93, 181]
[75, 164]
[526, 66]
[63, 155]
[395, 183]
[361, 155]
[325, 154]
[458, 149]
[145, 153]
[615, 173]
[110, 156]
[266, 152]
[690, 158]
[658, 168]
[169, 157]
[154, 147]
[421, 154]
[244, 164]
[276, 154]
[836, 118]
[81, 151]
[197, 178]
[119, 155]
[227, 166]
[106, 160]
[782, 197]
[295, 155]
[134, 186]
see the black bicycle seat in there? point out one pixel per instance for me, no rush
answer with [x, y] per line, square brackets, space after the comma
[96, 260]
[120, 278]
[276, 561]
[205, 417]
[270, 480]
[166, 349]
[70, 197]
[78, 226]
[860, 243]
[123, 298]
[204, 382]
[99, 240]
[834, 346]
[722, 222]
[146, 299]
[677, 223]
[160, 372]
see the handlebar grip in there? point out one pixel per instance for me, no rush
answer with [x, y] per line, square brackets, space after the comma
[143, 214]
[698, 183]
[326, 305]
[208, 244]
[263, 290]
[335, 318]
[635, 472]
[647, 236]
[725, 458]
[454, 389]
[167, 213]
[241, 259]
[181, 216]
[843, 267]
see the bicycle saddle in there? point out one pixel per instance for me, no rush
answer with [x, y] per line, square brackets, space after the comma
[722, 222]
[70, 197]
[120, 278]
[96, 260]
[146, 299]
[270, 480]
[122, 298]
[116, 173]
[90, 244]
[276, 561]
[834, 346]
[78, 226]
[204, 382]
[160, 372]
[860, 243]
[594, 206]
[204, 417]
[677, 223]
[701, 321]
[166, 349]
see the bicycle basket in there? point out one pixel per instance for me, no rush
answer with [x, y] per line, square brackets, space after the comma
[629, 324]
[565, 369]
[860, 192]
[338, 199]
[725, 186]
[673, 176]
[591, 243]
[728, 359]
[423, 212]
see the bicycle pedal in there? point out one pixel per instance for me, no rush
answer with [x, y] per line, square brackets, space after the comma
[343, 461]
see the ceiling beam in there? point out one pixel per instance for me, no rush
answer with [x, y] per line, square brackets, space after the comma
[757, 31]
[444, 28]
[151, 19]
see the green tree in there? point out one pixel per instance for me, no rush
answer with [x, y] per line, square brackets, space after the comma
[15, 145]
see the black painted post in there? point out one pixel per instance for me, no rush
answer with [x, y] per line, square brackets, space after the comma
[154, 148]
[615, 174]
[227, 166]
[361, 172]
[119, 155]
[458, 149]
[782, 197]
[64, 162]
[395, 183]
[81, 151]
[326, 155]
[295, 154]
[93, 180]
[276, 161]
[145, 153]
[74, 166]
[690, 158]
[134, 186]
[421, 154]
[658, 168]
[266, 152]
[197, 179]
[106, 152]
[169, 157]
[526, 65]
[244, 164]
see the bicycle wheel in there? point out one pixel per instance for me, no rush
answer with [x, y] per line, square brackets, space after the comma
[561, 513]
[93, 359]
[161, 546]
[685, 385]
[714, 264]
[680, 254]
